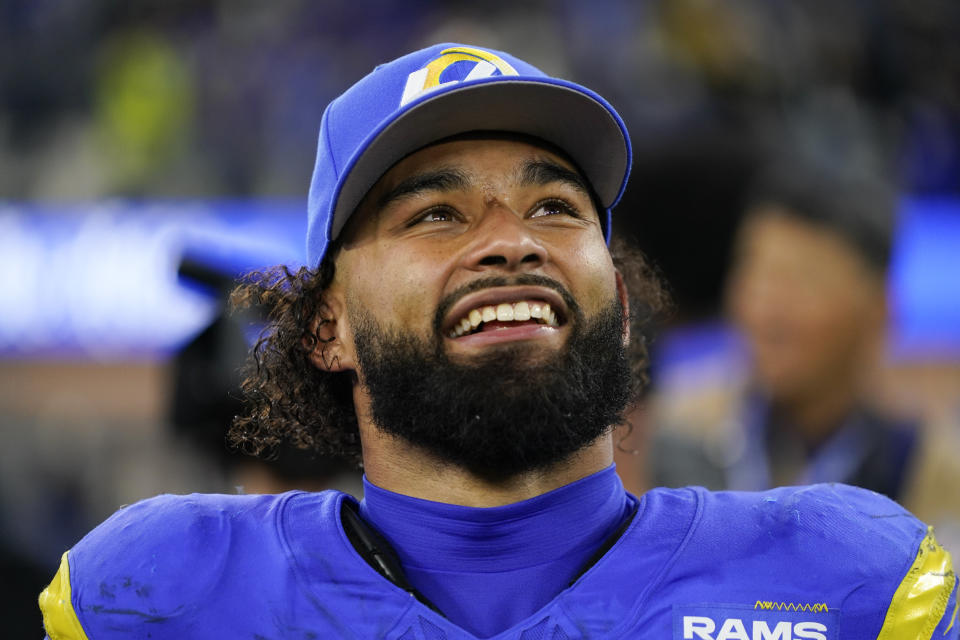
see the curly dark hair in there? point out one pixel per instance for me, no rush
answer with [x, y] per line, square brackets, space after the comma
[290, 399]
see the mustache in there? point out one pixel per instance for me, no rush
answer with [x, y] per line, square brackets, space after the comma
[524, 279]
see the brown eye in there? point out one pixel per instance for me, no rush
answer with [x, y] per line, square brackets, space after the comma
[436, 214]
[553, 208]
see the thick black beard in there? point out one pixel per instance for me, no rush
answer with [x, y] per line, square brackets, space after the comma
[508, 412]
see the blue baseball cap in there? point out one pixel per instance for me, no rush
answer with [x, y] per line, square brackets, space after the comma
[442, 91]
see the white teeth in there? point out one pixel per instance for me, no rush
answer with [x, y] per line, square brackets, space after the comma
[475, 319]
[550, 316]
[521, 311]
[505, 312]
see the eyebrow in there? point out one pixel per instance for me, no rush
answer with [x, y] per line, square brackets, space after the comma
[543, 172]
[539, 172]
[443, 179]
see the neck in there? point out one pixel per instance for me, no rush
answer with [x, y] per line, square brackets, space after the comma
[815, 416]
[394, 465]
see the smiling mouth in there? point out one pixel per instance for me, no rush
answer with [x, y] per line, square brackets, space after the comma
[504, 316]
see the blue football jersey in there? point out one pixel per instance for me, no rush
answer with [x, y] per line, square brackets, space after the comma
[817, 563]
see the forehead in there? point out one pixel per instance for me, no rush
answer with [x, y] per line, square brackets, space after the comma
[773, 235]
[769, 223]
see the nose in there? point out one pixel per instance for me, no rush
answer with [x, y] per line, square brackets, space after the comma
[504, 241]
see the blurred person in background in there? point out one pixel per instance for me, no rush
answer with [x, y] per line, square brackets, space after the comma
[807, 291]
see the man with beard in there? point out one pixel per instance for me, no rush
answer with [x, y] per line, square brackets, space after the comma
[463, 330]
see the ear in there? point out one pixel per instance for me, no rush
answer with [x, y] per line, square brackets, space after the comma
[624, 297]
[333, 349]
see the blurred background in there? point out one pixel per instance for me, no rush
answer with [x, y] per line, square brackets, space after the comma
[152, 151]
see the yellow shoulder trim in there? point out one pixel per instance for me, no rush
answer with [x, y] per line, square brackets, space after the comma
[922, 597]
[59, 618]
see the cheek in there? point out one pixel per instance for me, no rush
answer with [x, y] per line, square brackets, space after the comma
[399, 288]
[592, 276]
[800, 337]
